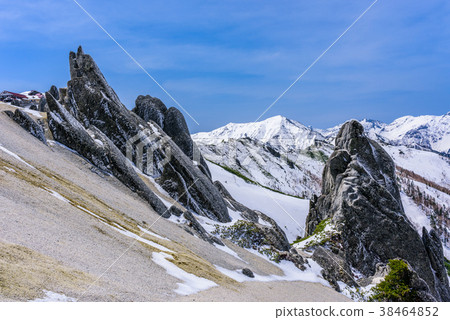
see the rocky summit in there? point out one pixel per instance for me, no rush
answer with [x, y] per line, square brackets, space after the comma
[365, 220]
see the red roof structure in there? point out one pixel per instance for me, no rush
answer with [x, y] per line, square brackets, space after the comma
[16, 95]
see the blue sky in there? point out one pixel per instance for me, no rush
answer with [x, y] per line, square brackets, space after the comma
[227, 61]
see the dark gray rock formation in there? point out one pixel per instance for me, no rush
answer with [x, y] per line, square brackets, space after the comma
[150, 108]
[199, 230]
[42, 107]
[54, 92]
[360, 195]
[99, 150]
[174, 124]
[93, 103]
[435, 252]
[26, 122]
[335, 268]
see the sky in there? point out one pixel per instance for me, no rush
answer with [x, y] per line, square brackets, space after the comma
[227, 61]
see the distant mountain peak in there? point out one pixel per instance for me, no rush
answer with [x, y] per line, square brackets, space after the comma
[277, 130]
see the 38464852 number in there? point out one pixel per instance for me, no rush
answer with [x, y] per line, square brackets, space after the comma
[409, 311]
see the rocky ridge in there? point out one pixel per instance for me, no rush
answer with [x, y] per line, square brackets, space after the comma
[152, 140]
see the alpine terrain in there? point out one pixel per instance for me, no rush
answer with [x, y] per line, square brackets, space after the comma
[103, 203]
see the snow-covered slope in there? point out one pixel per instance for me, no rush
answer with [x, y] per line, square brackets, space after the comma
[288, 212]
[429, 165]
[278, 153]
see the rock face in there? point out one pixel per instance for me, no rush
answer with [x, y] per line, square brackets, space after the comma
[360, 195]
[248, 272]
[97, 148]
[26, 122]
[435, 252]
[150, 108]
[91, 106]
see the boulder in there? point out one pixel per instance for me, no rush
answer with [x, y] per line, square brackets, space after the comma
[247, 272]
[42, 107]
[26, 122]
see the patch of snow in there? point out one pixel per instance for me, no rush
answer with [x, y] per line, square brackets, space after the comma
[291, 273]
[56, 195]
[34, 113]
[152, 233]
[177, 220]
[415, 215]
[447, 253]
[99, 142]
[51, 296]
[139, 238]
[190, 282]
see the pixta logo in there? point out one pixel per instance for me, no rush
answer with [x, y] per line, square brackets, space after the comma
[149, 151]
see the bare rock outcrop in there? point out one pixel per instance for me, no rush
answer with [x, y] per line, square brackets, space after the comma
[362, 200]
[26, 122]
[90, 101]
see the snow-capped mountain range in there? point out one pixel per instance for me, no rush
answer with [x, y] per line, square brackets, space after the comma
[422, 132]
[277, 130]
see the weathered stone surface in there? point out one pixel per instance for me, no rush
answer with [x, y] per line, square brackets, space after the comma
[185, 183]
[54, 92]
[174, 124]
[26, 122]
[335, 267]
[97, 148]
[199, 230]
[435, 252]
[42, 107]
[93, 103]
[361, 197]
